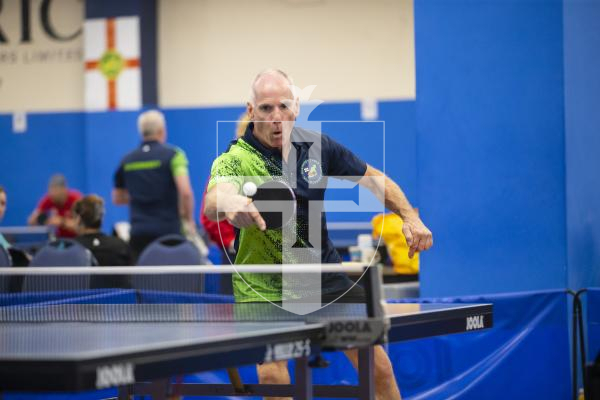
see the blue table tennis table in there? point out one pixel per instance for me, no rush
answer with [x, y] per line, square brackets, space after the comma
[28, 238]
[345, 234]
[137, 340]
[87, 354]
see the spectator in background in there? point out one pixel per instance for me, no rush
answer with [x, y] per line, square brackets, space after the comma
[222, 232]
[154, 180]
[54, 209]
[3, 241]
[108, 250]
[388, 227]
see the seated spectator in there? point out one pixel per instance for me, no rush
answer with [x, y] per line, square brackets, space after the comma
[54, 209]
[108, 250]
[388, 227]
[19, 257]
[3, 241]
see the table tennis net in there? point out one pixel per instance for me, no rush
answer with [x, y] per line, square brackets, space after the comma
[190, 279]
[115, 313]
[148, 297]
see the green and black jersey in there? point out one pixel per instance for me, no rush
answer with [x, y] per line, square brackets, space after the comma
[248, 160]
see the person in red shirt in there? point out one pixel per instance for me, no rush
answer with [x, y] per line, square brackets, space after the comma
[222, 232]
[54, 209]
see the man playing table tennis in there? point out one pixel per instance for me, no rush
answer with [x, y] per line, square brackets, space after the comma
[262, 153]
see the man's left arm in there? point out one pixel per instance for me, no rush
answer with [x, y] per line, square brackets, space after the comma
[120, 195]
[179, 168]
[418, 236]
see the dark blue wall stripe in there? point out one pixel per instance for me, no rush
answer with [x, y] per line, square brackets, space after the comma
[113, 8]
[149, 33]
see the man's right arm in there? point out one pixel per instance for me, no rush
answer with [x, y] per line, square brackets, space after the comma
[33, 217]
[418, 236]
[39, 209]
[223, 202]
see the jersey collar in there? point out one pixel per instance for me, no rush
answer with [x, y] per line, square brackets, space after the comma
[267, 151]
[254, 142]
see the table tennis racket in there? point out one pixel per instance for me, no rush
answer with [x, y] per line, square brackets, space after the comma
[276, 203]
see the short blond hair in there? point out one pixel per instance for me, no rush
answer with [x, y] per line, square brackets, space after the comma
[150, 123]
[242, 124]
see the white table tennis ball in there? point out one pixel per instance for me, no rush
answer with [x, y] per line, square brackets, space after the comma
[249, 189]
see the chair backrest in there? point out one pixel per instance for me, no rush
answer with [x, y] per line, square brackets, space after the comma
[171, 250]
[61, 253]
[5, 259]
[20, 258]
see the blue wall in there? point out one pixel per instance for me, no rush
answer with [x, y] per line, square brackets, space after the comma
[53, 143]
[582, 122]
[490, 145]
[90, 147]
[108, 137]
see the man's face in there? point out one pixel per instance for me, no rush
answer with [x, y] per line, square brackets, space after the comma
[58, 194]
[273, 112]
[2, 204]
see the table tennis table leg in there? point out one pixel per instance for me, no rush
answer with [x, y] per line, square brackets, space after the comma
[303, 387]
[125, 392]
[366, 376]
[159, 389]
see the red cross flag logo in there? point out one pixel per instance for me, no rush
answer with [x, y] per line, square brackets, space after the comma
[112, 64]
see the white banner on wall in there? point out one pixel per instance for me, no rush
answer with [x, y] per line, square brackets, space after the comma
[211, 50]
[41, 55]
[112, 64]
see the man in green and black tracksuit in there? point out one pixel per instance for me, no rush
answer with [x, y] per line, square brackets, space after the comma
[272, 148]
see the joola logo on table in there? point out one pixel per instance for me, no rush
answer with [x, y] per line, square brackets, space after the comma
[475, 322]
[114, 375]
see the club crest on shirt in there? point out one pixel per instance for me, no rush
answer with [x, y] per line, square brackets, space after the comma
[311, 171]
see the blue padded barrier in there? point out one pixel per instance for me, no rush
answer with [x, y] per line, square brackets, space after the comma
[593, 324]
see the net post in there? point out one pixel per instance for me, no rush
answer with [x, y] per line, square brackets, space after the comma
[366, 375]
[374, 290]
[303, 387]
